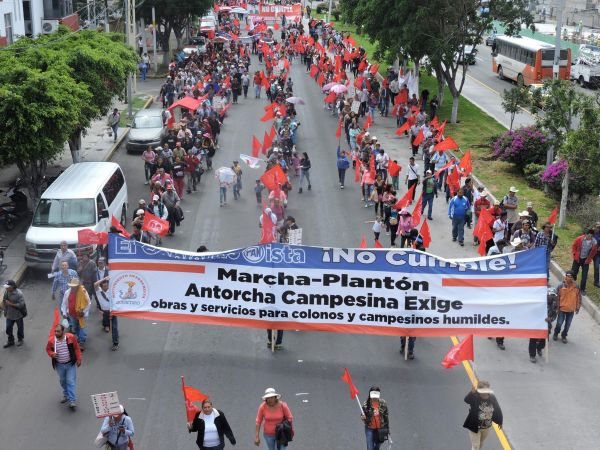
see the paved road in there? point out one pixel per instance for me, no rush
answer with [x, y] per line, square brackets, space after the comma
[234, 367]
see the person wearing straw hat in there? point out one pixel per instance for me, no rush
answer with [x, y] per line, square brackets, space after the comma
[118, 430]
[76, 308]
[272, 411]
[483, 410]
[375, 418]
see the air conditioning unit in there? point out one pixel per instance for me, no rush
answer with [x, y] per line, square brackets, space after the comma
[49, 26]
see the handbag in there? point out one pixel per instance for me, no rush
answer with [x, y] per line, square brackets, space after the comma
[284, 431]
[382, 434]
[100, 440]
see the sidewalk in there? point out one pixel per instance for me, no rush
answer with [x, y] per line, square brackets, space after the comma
[96, 145]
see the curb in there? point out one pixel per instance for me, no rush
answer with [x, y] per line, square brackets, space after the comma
[22, 270]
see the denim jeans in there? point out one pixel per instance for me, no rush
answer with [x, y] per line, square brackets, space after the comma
[237, 187]
[567, 318]
[80, 332]
[411, 343]
[148, 170]
[257, 91]
[304, 173]
[370, 435]
[427, 201]
[10, 323]
[368, 192]
[458, 228]
[223, 194]
[584, 272]
[596, 269]
[342, 175]
[107, 320]
[272, 443]
[67, 375]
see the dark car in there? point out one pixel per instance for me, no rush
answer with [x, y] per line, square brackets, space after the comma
[147, 129]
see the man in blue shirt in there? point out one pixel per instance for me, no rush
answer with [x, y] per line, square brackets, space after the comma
[457, 211]
[61, 280]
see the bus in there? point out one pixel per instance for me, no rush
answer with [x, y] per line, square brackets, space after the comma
[527, 61]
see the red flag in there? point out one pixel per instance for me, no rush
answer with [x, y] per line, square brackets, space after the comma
[404, 128]
[338, 132]
[346, 378]
[276, 26]
[266, 143]
[115, 223]
[338, 63]
[330, 97]
[224, 110]
[266, 236]
[357, 170]
[453, 180]
[425, 234]
[406, 199]
[313, 71]
[255, 146]
[351, 40]
[416, 214]
[191, 395]
[437, 172]
[87, 236]
[272, 134]
[374, 69]
[446, 144]
[394, 169]
[272, 177]
[368, 122]
[155, 224]
[362, 65]
[378, 244]
[358, 82]
[363, 242]
[55, 323]
[435, 123]
[419, 137]
[269, 115]
[552, 218]
[441, 128]
[460, 352]
[321, 79]
[372, 167]
[466, 164]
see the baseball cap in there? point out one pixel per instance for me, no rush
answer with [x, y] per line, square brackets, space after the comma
[9, 283]
[156, 197]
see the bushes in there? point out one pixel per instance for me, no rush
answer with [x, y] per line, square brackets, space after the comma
[522, 147]
[533, 174]
[322, 8]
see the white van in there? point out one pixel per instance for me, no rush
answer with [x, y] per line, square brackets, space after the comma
[86, 195]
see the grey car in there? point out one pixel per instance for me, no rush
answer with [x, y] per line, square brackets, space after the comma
[147, 129]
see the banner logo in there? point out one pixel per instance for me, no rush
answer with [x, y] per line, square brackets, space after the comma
[283, 254]
[129, 289]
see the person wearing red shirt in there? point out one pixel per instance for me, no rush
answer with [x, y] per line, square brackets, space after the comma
[584, 250]
[272, 411]
[65, 353]
[375, 418]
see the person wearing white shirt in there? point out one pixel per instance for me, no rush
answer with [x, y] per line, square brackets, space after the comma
[212, 428]
[109, 321]
[412, 176]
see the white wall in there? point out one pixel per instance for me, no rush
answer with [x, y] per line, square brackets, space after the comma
[15, 8]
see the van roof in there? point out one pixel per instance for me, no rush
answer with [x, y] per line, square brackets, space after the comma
[81, 180]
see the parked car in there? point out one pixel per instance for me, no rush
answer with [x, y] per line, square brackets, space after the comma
[469, 55]
[147, 129]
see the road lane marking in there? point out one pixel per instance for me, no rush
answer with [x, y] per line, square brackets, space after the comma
[471, 374]
[495, 92]
[302, 393]
[137, 398]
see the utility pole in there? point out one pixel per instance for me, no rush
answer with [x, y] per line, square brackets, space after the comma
[106, 18]
[154, 41]
[329, 12]
[558, 34]
[128, 41]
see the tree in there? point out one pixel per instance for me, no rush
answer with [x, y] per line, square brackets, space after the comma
[513, 102]
[562, 106]
[40, 108]
[439, 29]
[99, 61]
[173, 16]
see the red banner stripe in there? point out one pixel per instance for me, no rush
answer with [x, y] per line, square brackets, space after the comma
[340, 328]
[494, 282]
[161, 267]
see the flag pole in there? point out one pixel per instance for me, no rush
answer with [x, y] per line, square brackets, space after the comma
[359, 405]
[406, 348]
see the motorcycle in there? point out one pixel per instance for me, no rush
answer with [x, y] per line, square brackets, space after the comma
[16, 208]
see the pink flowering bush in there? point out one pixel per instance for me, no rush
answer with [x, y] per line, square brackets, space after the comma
[554, 173]
[522, 146]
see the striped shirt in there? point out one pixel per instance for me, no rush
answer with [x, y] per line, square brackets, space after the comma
[61, 347]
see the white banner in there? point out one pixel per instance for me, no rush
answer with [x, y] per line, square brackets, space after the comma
[370, 291]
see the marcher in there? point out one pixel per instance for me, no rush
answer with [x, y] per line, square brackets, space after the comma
[118, 429]
[304, 171]
[597, 257]
[343, 163]
[61, 280]
[511, 205]
[457, 211]
[87, 271]
[412, 177]
[375, 417]
[109, 321]
[537, 345]
[583, 250]
[569, 302]
[483, 410]
[171, 201]
[15, 310]
[429, 191]
[545, 238]
[212, 427]
[237, 185]
[76, 308]
[64, 253]
[65, 353]
[272, 411]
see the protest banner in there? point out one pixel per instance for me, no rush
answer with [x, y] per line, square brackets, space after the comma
[396, 292]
